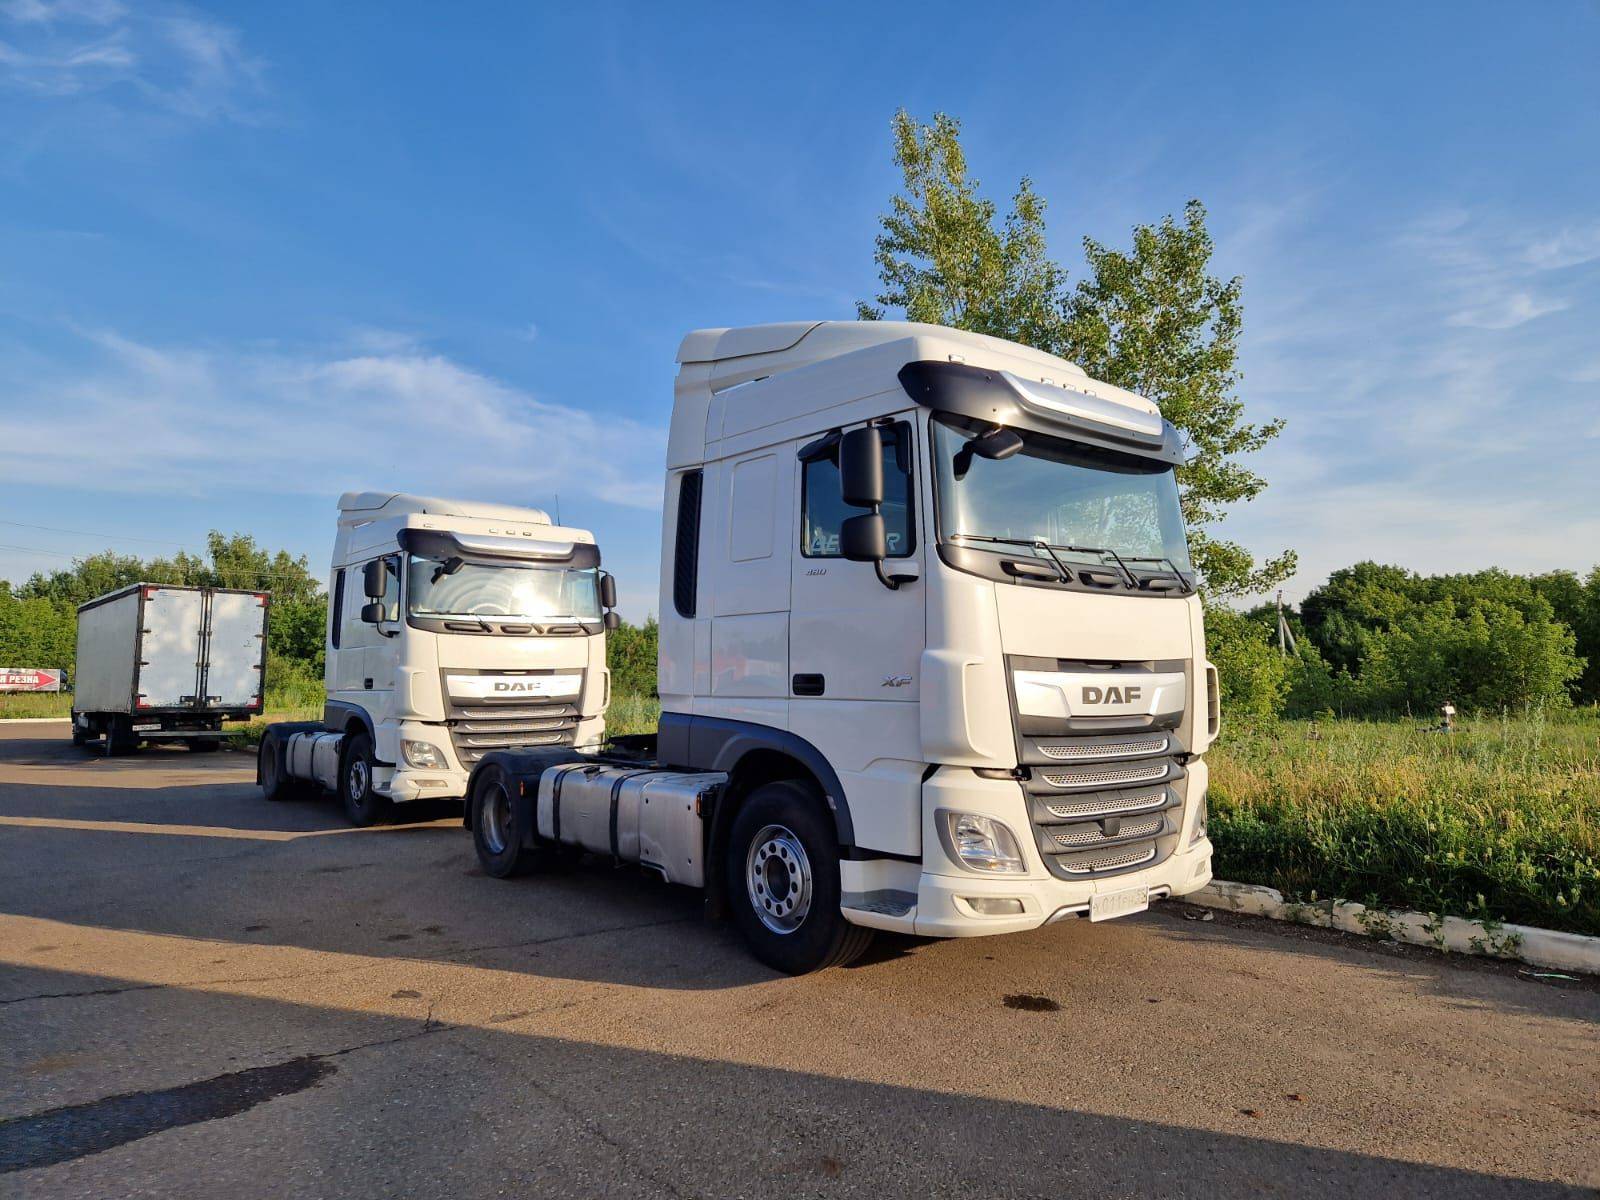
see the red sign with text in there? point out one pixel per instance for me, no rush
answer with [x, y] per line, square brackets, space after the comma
[29, 679]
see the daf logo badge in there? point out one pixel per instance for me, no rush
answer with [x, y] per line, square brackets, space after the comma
[512, 685]
[1111, 695]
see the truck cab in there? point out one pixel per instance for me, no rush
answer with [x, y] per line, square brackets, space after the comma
[455, 629]
[941, 579]
[931, 655]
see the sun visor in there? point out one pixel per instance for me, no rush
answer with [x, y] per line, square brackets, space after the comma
[498, 548]
[1071, 407]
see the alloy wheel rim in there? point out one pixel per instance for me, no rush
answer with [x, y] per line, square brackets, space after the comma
[778, 879]
[496, 819]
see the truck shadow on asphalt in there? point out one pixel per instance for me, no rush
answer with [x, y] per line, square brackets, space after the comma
[533, 1113]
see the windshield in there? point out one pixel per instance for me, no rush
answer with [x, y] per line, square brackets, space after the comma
[523, 593]
[1065, 493]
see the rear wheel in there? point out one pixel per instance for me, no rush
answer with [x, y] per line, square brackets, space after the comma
[80, 735]
[361, 804]
[783, 881]
[275, 783]
[120, 738]
[496, 834]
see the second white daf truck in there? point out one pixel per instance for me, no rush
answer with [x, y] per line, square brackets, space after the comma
[454, 629]
[931, 654]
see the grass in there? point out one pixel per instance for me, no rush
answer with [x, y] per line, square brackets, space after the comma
[1498, 821]
[17, 705]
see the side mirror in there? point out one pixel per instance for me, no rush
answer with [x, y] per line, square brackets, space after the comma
[608, 591]
[373, 580]
[863, 538]
[861, 468]
[372, 612]
[612, 621]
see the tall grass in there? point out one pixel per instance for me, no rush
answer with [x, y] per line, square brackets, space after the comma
[20, 705]
[1499, 820]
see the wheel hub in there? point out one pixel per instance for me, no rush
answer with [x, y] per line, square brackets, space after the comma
[778, 879]
[358, 776]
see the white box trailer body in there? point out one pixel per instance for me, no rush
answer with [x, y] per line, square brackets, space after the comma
[929, 635]
[160, 662]
[455, 628]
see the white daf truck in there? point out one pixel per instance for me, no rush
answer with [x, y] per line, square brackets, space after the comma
[931, 654]
[454, 629]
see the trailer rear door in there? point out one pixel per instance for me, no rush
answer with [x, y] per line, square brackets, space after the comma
[171, 649]
[238, 626]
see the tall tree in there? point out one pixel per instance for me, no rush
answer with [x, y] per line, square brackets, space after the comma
[1152, 320]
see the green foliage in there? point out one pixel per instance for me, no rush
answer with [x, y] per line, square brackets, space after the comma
[1499, 821]
[1152, 319]
[631, 657]
[1484, 640]
[1253, 677]
[38, 620]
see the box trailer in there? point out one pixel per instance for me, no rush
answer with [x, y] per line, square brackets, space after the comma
[157, 662]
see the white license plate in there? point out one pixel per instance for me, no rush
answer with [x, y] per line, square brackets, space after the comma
[147, 728]
[1118, 904]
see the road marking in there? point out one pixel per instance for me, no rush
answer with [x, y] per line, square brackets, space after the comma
[213, 831]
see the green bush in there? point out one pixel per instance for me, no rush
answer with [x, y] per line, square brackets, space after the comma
[631, 656]
[1252, 674]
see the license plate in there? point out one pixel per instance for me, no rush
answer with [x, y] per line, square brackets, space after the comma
[1118, 904]
[147, 728]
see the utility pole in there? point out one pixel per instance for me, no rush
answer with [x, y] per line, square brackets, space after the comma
[1286, 644]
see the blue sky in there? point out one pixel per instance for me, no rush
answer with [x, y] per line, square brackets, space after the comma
[254, 255]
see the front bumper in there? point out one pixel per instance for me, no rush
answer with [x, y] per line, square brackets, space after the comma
[402, 783]
[935, 900]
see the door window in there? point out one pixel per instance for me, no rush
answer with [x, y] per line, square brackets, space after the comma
[824, 510]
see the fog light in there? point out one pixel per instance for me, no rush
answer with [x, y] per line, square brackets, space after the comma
[421, 754]
[1199, 822]
[982, 843]
[995, 906]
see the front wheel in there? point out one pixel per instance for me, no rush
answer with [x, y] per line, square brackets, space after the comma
[783, 882]
[361, 804]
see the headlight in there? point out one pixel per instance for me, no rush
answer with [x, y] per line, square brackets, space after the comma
[421, 754]
[982, 843]
[1199, 822]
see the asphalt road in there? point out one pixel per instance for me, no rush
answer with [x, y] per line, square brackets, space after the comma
[205, 994]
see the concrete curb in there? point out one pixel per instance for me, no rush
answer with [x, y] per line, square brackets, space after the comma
[35, 720]
[1523, 943]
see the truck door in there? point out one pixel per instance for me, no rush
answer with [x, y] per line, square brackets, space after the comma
[855, 647]
[170, 648]
[233, 655]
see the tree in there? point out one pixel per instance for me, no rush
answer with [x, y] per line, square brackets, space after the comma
[942, 260]
[1155, 321]
[1152, 320]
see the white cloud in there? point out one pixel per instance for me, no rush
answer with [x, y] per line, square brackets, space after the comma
[180, 62]
[212, 423]
[1569, 248]
[1507, 311]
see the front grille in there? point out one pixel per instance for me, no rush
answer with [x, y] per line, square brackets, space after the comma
[1105, 806]
[1076, 837]
[1133, 856]
[1099, 777]
[1091, 751]
[481, 728]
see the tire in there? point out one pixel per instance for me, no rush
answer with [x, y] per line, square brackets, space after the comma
[362, 805]
[782, 875]
[120, 738]
[275, 785]
[80, 735]
[495, 832]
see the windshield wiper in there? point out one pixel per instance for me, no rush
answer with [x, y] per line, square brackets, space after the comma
[1161, 558]
[1030, 543]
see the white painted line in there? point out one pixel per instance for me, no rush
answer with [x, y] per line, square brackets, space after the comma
[35, 720]
[1524, 943]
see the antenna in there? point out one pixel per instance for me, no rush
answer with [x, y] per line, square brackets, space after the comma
[558, 508]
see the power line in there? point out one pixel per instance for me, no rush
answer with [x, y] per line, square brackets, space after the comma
[115, 537]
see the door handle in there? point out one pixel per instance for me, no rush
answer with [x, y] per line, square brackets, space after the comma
[809, 685]
[366, 683]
